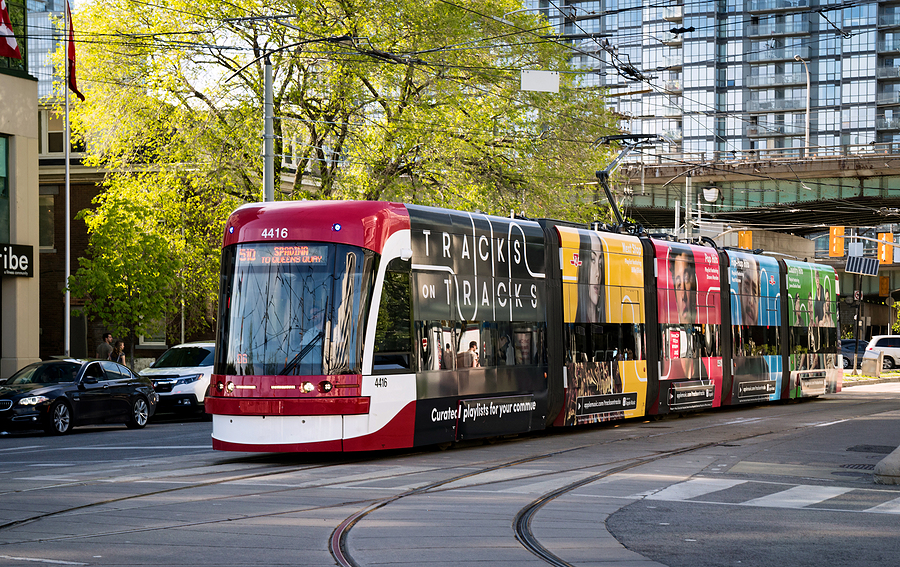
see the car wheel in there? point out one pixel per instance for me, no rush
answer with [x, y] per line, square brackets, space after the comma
[847, 362]
[888, 363]
[140, 413]
[59, 419]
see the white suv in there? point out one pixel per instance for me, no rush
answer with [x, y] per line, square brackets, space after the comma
[889, 344]
[181, 376]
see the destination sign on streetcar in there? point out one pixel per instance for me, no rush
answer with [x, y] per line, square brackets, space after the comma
[263, 254]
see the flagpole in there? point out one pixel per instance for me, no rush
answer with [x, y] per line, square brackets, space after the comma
[67, 319]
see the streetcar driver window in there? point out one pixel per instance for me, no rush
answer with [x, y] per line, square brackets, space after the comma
[393, 335]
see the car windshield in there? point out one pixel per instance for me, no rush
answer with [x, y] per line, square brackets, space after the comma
[45, 373]
[185, 356]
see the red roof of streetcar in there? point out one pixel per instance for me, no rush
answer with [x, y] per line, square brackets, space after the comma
[360, 223]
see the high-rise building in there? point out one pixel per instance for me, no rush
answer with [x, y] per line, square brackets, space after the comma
[43, 37]
[716, 77]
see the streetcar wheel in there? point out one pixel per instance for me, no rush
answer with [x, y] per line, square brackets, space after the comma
[140, 413]
[59, 419]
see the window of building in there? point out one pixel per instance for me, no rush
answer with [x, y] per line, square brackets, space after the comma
[46, 217]
[156, 336]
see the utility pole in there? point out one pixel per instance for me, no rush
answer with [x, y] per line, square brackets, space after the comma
[268, 136]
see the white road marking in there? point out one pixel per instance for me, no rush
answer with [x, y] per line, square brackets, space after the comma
[889, 507]
[694, 488]
[39, 560]
[798, 496]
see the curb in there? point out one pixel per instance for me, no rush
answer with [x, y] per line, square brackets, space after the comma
[887, 471]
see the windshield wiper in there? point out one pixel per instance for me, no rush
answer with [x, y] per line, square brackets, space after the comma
[301, 355]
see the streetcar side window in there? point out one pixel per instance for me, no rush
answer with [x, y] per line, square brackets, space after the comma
[393, 332]
[592, 342]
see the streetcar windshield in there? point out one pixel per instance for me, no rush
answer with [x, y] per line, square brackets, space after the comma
[293, 308]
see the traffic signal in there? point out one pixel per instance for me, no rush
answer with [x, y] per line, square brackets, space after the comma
[885, 248]
[745, 239]
[884, 286]
[836, 242]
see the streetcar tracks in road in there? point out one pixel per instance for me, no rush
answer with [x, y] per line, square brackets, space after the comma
[267, 481]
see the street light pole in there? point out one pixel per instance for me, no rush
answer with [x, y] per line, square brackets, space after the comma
[268, 135]
[798, 58]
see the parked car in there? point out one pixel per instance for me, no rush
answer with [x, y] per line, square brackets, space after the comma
[57, 395]
[849, 348]
[181, 376]
[889, 345]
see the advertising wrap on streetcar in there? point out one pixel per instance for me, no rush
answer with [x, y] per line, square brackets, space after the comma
[603, 314]
[755, 283]
[689, 311]
[812, 343]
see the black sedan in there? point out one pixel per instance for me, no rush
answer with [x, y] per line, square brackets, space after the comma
[57, 395]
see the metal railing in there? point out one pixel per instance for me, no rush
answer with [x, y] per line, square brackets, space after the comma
[815, 153]
[772, 129]
[887, 72]
[776, 80]
[772, 5]
[776, 105]
[888, 46]
[770, 29]
[672, 86]
[892, 97]
[888, 20]
[673, 13]
[780, 54]
[883, 123]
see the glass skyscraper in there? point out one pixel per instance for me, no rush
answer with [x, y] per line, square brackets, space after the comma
[716, 78]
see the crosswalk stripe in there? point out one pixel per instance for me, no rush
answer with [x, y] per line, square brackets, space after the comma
[889, 507]
[694, 488]
[798, 496]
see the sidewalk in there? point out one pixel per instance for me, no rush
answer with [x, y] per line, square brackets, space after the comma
[850, 380]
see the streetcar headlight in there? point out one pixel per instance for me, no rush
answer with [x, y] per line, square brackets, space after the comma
[220, 386]
[307, 387]
[325, 386]
[229, 387]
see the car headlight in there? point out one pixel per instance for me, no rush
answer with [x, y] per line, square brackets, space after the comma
[33, 400]
[188, 379]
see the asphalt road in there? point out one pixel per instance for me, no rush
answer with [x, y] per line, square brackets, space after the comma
[784, 484]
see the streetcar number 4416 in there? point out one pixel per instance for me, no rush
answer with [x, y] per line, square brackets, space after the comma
[274, 233]
[381, 382]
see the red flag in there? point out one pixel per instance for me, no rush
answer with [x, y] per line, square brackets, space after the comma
[8, 45]
[71, 54]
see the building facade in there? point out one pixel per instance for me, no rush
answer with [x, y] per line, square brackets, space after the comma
[19, 260]
[723, 77]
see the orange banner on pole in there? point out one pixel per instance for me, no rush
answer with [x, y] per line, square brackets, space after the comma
[836, 242]
[885, 248]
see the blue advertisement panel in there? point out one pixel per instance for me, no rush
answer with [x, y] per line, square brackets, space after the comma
[754, 283]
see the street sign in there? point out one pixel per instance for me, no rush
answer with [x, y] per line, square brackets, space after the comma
[862, 265]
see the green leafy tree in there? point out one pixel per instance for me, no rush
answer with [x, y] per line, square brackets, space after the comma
[413, 101]
[126, 276]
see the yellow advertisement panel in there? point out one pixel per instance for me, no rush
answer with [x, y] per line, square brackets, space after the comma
[603, 277]
[603, 303]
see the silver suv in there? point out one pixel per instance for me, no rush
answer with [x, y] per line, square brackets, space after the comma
[889, 344]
